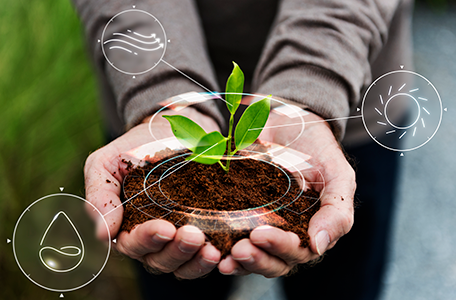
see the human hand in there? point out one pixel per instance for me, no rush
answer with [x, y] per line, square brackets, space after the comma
[273, 252]
[156, 243]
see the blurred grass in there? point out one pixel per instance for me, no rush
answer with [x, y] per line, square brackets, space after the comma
[49, 123]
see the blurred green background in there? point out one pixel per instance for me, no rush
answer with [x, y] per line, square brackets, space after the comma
[49, 121]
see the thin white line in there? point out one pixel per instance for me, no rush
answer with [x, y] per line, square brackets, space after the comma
[414, 130]
[133, 45]
[381, 99]
[378, 112]
[426, 111]
[401, 87]
[421, 98]
[389, 93]
[188, 77]
[296, 124]
[161, 178]
[335, 119]
[121, 48]
[381, 123]
[414, 90]
[143, 36]
[422, 121]
[388, 132]
[127, 36]
[402, 134]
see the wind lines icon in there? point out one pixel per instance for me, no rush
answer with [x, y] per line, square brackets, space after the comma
[133, 42]
[68, 251]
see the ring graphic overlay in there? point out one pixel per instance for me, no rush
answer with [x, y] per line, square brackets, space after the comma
[133, 42]
[55, 245]
[283, 158]
[401, 110]
[287, 117]
[293, 115]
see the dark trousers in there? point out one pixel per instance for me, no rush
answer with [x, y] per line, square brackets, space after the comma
[352, 270]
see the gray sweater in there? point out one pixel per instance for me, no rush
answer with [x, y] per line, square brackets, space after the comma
[320, 53]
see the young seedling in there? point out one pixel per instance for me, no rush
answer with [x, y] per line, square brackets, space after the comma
[209, 148]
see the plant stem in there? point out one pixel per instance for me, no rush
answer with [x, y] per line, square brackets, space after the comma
[228, 150]
[223, 167]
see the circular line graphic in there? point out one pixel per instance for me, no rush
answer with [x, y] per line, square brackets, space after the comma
[401, 104]
[192, 98]
[213, 220]
[386, 114]
[53, 267]
[163, 175]
[131, 52]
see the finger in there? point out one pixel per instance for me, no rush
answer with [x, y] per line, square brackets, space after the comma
[187, 241]
[285, 245]
[228, 266]
[255, 260]
[149, 237]
[102, 180]
[204, 262]
[331, 222]
[336, 215]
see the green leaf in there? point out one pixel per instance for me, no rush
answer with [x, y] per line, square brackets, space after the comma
[251, 123]
[235, 84]
[186, 131]
[210, 149]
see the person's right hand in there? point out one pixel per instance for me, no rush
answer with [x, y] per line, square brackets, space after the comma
[273, 252]
[156, 243]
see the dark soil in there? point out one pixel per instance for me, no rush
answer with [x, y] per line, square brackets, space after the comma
[199, 195]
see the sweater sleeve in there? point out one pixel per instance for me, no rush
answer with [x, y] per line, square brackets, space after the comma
[138, 97]
[319, 53]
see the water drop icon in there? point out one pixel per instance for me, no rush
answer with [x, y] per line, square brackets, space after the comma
[65, 258]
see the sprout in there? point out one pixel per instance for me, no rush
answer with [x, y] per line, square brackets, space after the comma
[209, 148]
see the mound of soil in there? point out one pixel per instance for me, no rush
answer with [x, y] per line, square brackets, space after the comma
[255, 192]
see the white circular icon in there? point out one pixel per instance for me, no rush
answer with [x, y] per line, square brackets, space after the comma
[401, 104]
[133, 42]
[55, 246]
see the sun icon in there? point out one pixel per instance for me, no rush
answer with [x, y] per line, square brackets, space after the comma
[394, 95]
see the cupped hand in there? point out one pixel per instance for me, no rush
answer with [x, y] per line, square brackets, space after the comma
[156, 243]
[273, 252]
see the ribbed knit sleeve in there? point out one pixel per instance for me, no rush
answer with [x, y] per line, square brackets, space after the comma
[319, 53]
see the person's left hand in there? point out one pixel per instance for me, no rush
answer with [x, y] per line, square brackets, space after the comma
[158, 244]
[273, 252]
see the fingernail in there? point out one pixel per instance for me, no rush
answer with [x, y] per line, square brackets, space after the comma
[264, 227]
[322, 241]
[207, 263]
[249, 260]
[190, 228]
[188, 247]
[235, 271]
[160, 239]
